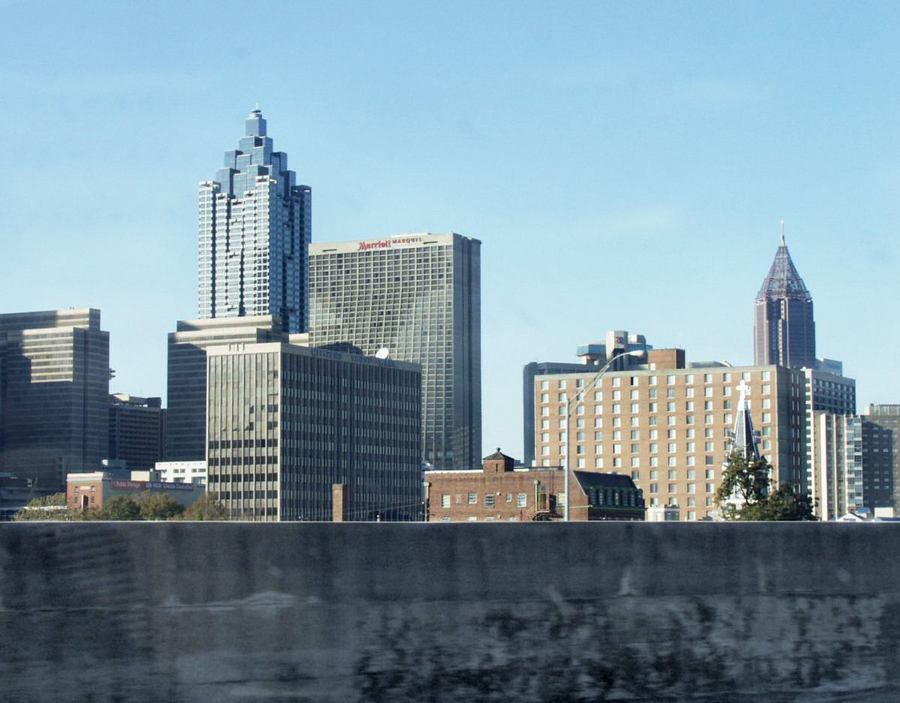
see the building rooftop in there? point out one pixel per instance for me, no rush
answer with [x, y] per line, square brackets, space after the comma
[396, 241]
[498, 455]
[594, 479]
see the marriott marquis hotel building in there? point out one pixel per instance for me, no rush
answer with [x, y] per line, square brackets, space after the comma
[419, 296]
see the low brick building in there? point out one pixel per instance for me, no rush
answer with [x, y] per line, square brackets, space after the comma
[501, 492]
[92, 489]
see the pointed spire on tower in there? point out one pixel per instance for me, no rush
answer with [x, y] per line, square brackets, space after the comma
[784, 332]
[783, 279]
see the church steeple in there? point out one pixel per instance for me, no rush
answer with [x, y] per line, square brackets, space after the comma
[743, 436]
[784, 330]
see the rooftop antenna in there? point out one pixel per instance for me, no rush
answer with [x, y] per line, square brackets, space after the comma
[782, 232]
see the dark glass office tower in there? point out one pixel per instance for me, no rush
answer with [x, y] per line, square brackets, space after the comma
[784, 332]
[255, 226]
[54, 395]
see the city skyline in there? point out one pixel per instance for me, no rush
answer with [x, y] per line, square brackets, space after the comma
[662, 138]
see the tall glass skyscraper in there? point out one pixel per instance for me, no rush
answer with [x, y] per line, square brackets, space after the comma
[784, 332]
[255, 228]
[419, 297]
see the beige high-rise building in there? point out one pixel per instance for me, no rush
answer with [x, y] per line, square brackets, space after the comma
[836, 459]
[667, 424]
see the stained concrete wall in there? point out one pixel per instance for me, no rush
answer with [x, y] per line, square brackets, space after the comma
[474, 612]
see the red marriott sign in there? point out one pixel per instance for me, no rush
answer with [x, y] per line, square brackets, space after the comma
[388, 243]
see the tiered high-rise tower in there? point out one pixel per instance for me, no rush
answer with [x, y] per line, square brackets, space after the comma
[255, 227]
[784, 332]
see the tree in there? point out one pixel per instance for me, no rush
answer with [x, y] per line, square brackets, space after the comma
[786, 504]
[53, 500]
[207, 507]
[159, 506]
[748, 493]
[120, 508]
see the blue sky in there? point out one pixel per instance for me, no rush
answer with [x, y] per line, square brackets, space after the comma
[624, 164]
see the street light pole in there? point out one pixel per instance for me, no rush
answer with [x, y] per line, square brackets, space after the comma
[577, 397]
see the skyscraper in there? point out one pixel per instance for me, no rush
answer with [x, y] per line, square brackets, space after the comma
[255, 226]
[186, 415]
[286, 423]
[418, 296]
[835, 481]
[881, 456]
[824, 390]
[54, 394]
[784, 333]
[137, 429]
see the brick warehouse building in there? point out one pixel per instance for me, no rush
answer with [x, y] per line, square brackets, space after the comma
[501, 492]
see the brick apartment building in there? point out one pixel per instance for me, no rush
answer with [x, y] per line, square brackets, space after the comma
[668, 424]
[501, 492]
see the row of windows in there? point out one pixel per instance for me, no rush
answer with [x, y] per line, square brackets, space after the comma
[636, 452]
[653, 433]
[691, 488]
[635, 435]
[489, 500]
[670, 379]
[616, 463]
[635, 395]
[671, 420]
[246, 478]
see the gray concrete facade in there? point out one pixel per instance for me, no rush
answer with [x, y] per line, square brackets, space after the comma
[287, 422]
[186, 414]
[385, 612]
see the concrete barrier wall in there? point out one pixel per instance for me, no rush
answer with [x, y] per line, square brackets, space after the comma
[474, 612]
